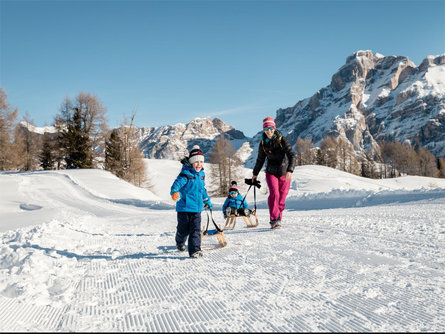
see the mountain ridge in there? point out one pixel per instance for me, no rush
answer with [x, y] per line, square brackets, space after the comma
[370, 98]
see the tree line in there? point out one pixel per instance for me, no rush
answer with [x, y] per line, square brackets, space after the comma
[81, 139]
[395, 158]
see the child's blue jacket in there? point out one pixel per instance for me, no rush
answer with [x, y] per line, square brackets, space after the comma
[234, 202]
[191, 187]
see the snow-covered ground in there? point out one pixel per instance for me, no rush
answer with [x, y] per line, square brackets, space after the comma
[84, 251]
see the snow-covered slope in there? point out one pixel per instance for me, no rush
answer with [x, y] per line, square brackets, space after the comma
[32, 197]
[81, 250]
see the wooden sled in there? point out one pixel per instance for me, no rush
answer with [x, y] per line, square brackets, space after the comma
[218, 232]
[232, 213]
[231, 220]
[219, 236]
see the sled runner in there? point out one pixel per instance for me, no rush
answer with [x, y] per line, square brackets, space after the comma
[218, 231]
[247, 214]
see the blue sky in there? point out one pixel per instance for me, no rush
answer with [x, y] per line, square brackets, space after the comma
[173, 61]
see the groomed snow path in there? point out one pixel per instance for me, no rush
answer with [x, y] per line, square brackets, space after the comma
[328, 270]
[100, 263]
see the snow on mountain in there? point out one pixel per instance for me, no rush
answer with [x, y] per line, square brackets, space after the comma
[36, 129]
[81, 250]
[371, 98]
[174, 141]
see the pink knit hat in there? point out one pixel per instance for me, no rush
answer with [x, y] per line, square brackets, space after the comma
[268, 121]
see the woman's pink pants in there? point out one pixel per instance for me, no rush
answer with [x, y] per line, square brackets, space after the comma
[278, 188]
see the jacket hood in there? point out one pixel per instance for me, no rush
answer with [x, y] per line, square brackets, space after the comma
[185, 161]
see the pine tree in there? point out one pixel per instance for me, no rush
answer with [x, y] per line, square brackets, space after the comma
[441, 167]
[78, 147]
[81, 127]
[368, 168]
[319, 159]
[364, 169]
[46, 156]
[114, 153]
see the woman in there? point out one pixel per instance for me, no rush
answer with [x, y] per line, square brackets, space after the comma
[280, 166]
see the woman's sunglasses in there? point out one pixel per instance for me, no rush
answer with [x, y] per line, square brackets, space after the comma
[269, 128]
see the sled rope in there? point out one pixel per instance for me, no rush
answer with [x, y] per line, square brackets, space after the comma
[213, 221]
[246, 195]
[251, 183]
[254, 197]
[218, 231]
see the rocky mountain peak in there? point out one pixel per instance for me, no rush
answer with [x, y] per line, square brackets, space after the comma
[374, 97]
[175, 141]
[357, 66]
[432, 61]
[206, 127]
[370, 98]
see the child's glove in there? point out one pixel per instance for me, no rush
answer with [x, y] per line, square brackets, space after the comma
[176, 196]
[207, 203]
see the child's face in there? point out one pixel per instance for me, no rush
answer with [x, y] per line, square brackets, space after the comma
[197, 165]
[233, 193]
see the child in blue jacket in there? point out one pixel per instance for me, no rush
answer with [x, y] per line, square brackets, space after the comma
[190, 195]
[234, 200]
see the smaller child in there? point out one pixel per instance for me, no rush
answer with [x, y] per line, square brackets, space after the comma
[191, 197]
[234, 201]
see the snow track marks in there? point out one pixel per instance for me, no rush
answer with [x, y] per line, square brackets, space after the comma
[359, 269]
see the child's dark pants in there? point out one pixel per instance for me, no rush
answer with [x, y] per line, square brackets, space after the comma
[189, 225]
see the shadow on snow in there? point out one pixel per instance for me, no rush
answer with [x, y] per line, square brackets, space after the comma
[359, 198]
[163, 254]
